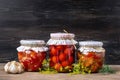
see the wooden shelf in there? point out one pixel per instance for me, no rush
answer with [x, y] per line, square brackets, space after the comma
[59, 76]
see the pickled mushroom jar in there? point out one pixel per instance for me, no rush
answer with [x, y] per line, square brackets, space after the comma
[62, 51]
[31, 54]
[91, 55]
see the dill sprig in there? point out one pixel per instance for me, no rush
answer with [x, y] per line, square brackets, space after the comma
[46, 69]
[80, 69]
[106, 69]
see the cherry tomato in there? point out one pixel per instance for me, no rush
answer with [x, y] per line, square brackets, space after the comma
[91, 54]
[62, 57]
[65, 63]
[68, 51]
[53, 51]
[55, 59]
[60, 47]
[58, 66]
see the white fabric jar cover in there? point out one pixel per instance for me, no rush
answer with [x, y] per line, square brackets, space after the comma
[61, 39]
[35, 45]
[91, 46]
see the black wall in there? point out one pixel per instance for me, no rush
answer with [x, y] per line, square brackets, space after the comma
[36, 19]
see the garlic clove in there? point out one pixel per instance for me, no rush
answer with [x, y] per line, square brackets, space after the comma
[20, 68]
[13, 68]
[6, 67]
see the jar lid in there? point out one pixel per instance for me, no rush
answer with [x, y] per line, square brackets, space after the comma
[61, 39]
[62, 35]
[35, 45]
[90, 43]
[32, 42]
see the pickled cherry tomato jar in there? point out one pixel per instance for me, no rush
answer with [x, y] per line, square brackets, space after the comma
[62, 51]
[91, 55]
[31, 54]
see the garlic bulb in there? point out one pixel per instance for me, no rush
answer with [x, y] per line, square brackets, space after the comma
[14, 67]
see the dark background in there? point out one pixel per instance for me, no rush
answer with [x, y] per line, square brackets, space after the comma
[36, 19]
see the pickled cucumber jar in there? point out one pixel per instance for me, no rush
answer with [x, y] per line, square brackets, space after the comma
[31, 54]
[91, 55]
[62, 51]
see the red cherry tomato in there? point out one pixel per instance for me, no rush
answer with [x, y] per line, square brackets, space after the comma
[55, 59]
[91, 54]
[53, 51]
[60, 47]
[58, 66]
[68, 51]
[62, 57]
[65, 63]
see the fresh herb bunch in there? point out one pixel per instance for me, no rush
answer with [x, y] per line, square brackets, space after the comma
[106, 69]
[46, 68]
[80, 69]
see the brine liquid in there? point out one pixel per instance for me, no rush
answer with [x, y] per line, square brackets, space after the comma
[93, 60]
[62, 57]
[31, 60]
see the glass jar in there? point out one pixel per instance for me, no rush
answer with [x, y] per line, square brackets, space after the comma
[91, 55]
[62, 51]
[31, 54]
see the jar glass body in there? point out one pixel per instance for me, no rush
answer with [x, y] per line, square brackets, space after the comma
[31, 54]
[31, 60]
[62, 57]
[91, 57]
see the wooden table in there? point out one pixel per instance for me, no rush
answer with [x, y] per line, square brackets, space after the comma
[59, 76]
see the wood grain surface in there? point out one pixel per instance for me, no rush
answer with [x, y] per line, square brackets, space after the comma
[60, 76]
[36, 19]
